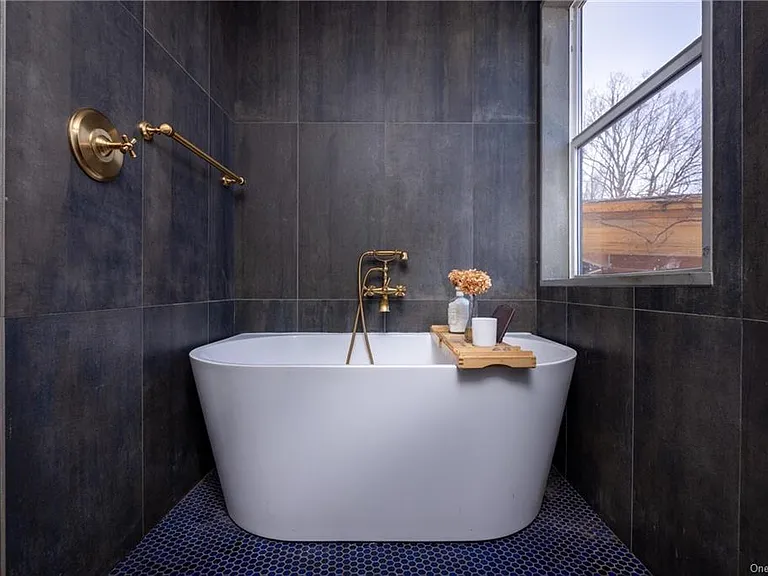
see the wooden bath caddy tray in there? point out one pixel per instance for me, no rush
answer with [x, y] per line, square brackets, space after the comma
[468, 356]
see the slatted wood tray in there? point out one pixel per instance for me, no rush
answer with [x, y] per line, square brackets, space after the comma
[469, 357]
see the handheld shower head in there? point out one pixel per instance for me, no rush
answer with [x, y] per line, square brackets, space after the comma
[389, 255]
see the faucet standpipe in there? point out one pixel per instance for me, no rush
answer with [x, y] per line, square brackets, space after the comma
[369, 290]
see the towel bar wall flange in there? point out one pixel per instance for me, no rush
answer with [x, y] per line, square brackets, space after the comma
[99, 149]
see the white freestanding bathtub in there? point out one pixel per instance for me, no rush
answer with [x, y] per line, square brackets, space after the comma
[409, 449]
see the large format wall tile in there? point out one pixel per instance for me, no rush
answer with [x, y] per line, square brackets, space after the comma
[176, 187]
[224, 28]
[266, 212]
[221, 320]
[429, 213]
[506, 61]
[599, 443]
[338, 316]
[754, 457]
[73, 440]
[181, 27]
[686, 456]
[504, 209]
[551, 323]
[177, 452]
[429, 62]
[524, 319]
[755, 165]
[71, 243]
[724, 297]
[341, 76]
[341, 205]
[618, 297]
[221, 243]
[415, 315]
[408, 315]
[552, 293]
[551, 320]
[267, 59]
[265, 316]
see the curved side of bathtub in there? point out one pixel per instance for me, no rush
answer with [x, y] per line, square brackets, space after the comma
[382, 453]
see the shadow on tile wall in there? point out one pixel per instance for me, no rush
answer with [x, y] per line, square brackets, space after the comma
[672, 376]
[373, 125]
[108, 285]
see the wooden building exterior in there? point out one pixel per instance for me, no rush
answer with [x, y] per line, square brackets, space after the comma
[641, 234]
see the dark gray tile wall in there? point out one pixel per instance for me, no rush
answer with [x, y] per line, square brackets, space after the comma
[90, 361]
[687, 402]
[754, 467]
[429, 209]
[266, 316]
[429, 46]
[341, 61]
[341, 181]
[506, 61]
[72, 244]
[175, 185]
[693, 381]
[176, 448]
[264, 43]
[755, 167]
[600, 411]
[73, 435]
[184, 32]
[266, 211]
[221, 211]
[390, 148]
[504, 225]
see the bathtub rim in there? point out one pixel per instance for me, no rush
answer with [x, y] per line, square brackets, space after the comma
[570, 353]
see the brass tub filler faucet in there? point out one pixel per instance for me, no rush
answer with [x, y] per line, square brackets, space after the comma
[383, 292]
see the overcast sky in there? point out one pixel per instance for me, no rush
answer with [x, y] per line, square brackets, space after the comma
[636, 36]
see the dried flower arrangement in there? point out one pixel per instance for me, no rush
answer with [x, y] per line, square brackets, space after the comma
[470, 281]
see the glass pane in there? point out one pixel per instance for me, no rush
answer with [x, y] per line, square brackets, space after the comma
[640, 183]
[624, 42]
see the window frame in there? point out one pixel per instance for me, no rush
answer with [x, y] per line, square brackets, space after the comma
[555, 269]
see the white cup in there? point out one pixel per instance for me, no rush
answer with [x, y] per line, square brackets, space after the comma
[484, 331]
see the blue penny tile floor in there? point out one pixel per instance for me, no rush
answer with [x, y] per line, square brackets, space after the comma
[198, 537]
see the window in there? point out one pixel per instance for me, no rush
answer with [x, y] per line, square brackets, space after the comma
[638, 207]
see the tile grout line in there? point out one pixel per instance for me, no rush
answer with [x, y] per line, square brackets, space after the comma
[401, 122]
[671, 312]
[632, 430]
[143, 242]
[297, 64]
[741, 454]
[384, 323]
[209, 191]
[3, 199]
[171, 56]
[566, 404]
[472, 140]
[741, 292]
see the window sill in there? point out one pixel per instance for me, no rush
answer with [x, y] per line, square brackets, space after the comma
[681, 278]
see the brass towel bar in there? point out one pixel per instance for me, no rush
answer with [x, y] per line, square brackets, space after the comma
[99, 149]
[148, 131]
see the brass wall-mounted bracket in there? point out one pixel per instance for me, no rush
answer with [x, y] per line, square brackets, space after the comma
[97, 146]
